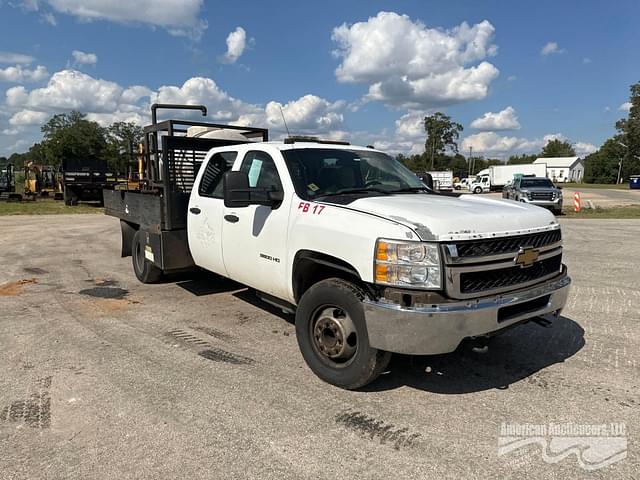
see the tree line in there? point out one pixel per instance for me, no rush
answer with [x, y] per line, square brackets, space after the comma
[72, 136]
[617, 158]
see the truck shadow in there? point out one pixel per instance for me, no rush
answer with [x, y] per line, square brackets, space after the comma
[203, 283]
[514, 356]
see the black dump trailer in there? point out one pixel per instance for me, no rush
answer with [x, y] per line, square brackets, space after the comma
[153, 219]
[85, 179]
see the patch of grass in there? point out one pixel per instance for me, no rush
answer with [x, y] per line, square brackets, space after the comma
[45, 207]
[578, 186]
[621, 212]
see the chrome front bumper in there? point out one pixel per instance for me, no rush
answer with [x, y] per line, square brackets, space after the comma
[556, 204]
[435, 329]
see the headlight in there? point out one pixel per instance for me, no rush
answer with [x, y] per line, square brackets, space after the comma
[408, 264]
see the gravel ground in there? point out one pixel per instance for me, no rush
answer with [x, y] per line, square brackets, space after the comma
[108, 378]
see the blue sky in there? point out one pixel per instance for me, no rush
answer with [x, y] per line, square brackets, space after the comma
[513, 73]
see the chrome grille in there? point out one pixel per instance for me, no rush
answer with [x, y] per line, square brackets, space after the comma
[482, 248]
[541, 195]
[481, 281]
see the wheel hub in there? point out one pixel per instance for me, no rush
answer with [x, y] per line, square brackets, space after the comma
[334, 334]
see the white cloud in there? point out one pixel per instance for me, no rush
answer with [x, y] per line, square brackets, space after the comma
[10, 131]
[17, 58]
[236, 44]
[28, 117]
[503, 120]
[586, 60]
[409, 135]
[308, 114]
[404, 63]
[491, 144]
[625, 107]
[83, 58]
[49, 18]
[583, 148]
[106, 102]
[511, 78]
[69, 90]
[551, 48]
[20, 74]
[205, 91]
[178, 17]
[16, 96]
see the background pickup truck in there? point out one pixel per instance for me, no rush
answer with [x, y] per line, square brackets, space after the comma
[536, 191]
[370, 259]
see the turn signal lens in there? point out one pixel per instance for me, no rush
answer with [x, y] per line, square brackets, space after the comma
[382, 273]
[382, 251]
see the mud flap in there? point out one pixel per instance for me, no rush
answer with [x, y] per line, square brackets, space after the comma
[128, 231]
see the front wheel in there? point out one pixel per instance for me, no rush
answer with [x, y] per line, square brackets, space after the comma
[145, 271]
[332, 335]
[477, 190]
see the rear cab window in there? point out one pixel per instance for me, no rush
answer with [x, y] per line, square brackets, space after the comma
[211, 182]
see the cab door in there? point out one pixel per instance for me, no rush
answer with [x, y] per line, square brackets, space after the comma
[254, 243]
[206, 208]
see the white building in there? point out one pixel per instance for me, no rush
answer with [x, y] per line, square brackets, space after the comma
[563, 169]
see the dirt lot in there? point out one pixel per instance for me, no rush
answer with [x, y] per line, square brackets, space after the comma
[104, 377]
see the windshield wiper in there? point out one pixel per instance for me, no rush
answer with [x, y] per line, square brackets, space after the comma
[347, 191]
[410, 190]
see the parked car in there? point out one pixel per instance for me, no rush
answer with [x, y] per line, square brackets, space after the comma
[535, 190]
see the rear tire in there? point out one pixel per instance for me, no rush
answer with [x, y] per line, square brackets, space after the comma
[145, 271]
[332, 335]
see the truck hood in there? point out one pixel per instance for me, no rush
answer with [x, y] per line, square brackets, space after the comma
[439, 218]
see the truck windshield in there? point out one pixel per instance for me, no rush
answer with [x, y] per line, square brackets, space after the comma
[319, 172]
[536, 183]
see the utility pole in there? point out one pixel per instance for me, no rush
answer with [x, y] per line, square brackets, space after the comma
[620, 164]
[469, 160]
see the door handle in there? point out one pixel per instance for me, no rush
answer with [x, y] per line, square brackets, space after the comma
[231, 218]
[195, 210]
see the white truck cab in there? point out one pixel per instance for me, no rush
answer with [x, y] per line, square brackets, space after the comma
[370, 260]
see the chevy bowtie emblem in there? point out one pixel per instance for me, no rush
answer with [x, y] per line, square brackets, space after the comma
[526, 257]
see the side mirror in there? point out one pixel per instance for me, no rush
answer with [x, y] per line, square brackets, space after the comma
[238, 193]
[236, 189]
[427, 179]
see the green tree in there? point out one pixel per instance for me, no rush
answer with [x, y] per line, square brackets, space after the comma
[558, 148]
[442, 133]
[72, 136]
[123, 139]
[602, 166]
[629, 135]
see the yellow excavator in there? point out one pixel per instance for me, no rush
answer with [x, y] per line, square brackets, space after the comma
[42, 180]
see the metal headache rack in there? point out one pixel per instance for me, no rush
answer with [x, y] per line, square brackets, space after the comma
[172, 159]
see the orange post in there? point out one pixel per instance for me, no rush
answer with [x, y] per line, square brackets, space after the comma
[576, 202]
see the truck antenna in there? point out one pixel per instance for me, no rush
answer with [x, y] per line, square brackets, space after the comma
[285, 122]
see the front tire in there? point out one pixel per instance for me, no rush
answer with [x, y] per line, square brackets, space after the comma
[145, 271]
[332, 335]
[477, 190]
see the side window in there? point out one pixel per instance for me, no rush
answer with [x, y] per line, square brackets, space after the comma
[261, 170]
[211, 183]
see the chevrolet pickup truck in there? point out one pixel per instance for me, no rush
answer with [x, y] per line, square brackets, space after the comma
[369, 259]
